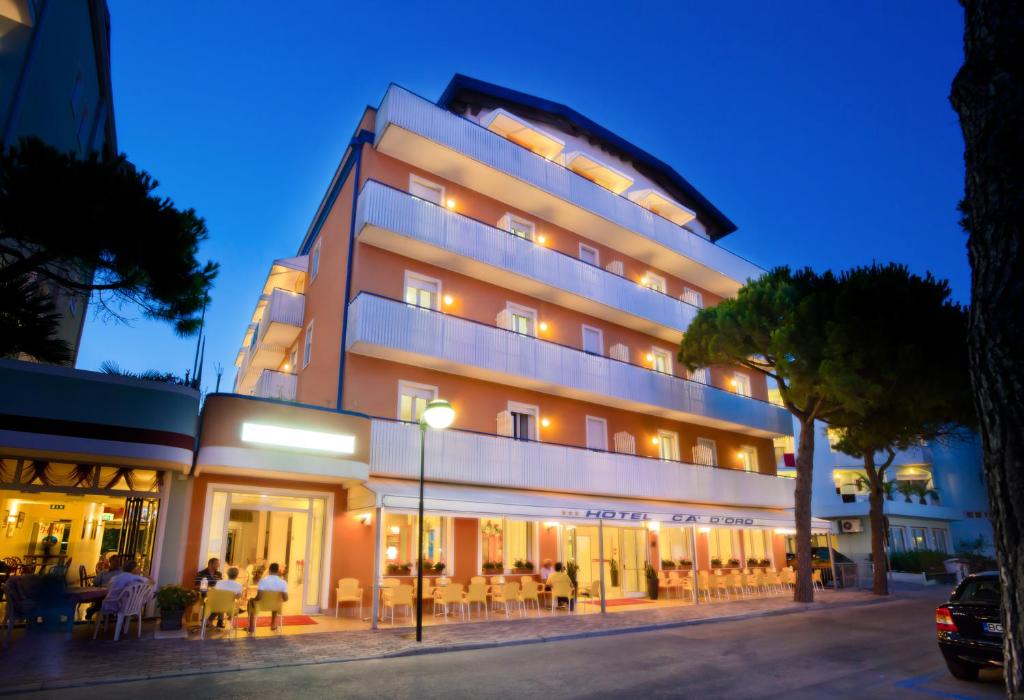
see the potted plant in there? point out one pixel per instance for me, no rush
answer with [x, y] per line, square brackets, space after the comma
[685, 564]
[396, 569]
[906, 488]
[734, 562]
[572, 570]
[923, 492]
[752, 561]
[716, 563]
[764, 562]
[613, 571]
[667, 564]
[492, 567]
[652, 581]
[439, 567]
[172, 601]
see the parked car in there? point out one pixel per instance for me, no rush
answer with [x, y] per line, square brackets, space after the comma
[969, 627]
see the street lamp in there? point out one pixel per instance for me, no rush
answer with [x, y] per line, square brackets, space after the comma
[438, 415]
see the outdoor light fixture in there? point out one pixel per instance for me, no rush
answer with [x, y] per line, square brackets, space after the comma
[543, 326]
[644, 280]
[705, 530]
[395, 529]
[438, 415]
[548, 524]
[450, 203]
[650, 357]
[544, 422]
[542, 239]
[448, 300]
[653, 525]
[784, 531]
[366, 518]
[287, 367]
[280, 436]
[655, 440]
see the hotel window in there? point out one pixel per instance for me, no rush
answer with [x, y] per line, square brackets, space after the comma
[756, 545]
[699, 375]
[693, 297]
[506, 542]
[740, 384]
[668, 445]
[941, 539]
[293, 359]
[589, 255]
[314, 262]
[520, 319]
[519, 227]
[748, 458]
[597, 433]
[413, 398]
[593, 340]
[661, 360]
[523, 421]
[722, 545]
[705, 452]
[919, 537]
[674, 544]
[655, 282]
[422, 291]
[307, 345]
[399, 532]
[425, 189]
[898, 538]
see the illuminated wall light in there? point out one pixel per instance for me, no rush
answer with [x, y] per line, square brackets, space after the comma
[392, 553]
[366, 518]
[542, 239]
[650, 357]
[544, 422]
[449, 300]
[550, 524]
[705, 530]
[287, 367]
[644, 281]
[450, 203]
[732, 382]
[395, 530]
[279, 436]
[785, 531]
[655, 440]
[543, 326]
[653, 525]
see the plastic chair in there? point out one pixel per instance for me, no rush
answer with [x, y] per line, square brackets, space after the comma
[591, 596]
[686, 585]
[736, 583]
[477, 579]
[451, 595]
[561, 589]
[130, 601]
[507, 594]
[348, 591]
[271, 602]
[530, 592]
[477, 593]
[219, 602]
[399, 596]
[721, 584]
[816, 581]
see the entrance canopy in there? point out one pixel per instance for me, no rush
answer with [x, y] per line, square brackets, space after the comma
[470, 501]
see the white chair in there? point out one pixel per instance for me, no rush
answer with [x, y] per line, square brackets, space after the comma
[591, 596]
[348, 591]
[476, 593]
[397, 597]
[130, 601]
[507, 594]
[451, 595]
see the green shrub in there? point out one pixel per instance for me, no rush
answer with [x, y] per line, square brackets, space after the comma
[172, 597]
[919, 561]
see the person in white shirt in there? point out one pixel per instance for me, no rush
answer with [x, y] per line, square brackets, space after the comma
[271, 583]
[546, 569]
[230, 583]
[130, 574]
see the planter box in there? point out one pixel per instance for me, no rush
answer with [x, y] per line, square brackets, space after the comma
[404, 571]
[522, 571]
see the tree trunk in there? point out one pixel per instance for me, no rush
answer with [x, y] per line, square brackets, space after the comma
[876, 516]
[803, 592]
[988, 94]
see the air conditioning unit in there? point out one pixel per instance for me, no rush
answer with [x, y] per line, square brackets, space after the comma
[849, 525]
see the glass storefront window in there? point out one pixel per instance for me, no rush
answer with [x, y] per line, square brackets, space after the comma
[756, 545]
[400, 536]
[919, 538]
[675, 544]
[505, 542]
[722, 545]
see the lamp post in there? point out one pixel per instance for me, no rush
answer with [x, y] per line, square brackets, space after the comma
[438, 414]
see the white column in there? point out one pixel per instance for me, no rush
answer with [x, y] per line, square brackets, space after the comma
[375, 603]
[693, 557]
[600, 554]
[831, 559]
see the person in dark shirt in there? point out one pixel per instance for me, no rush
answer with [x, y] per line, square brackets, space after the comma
[212, 574]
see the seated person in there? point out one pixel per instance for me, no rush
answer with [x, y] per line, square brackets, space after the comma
[212, 575]
[271, 583]
[103, 579]
[559, 576]
[231, 583]
[128, 576]
[546, 569]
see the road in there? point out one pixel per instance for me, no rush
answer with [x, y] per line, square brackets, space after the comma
[884, 651]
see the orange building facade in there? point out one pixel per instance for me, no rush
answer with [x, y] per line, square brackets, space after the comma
[509, 255]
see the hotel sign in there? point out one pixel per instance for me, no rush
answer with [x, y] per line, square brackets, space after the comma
[677, 518]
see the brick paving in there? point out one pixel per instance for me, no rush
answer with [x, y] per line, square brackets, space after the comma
[40, 661]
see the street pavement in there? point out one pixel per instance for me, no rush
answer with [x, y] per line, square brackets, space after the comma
[884, 650]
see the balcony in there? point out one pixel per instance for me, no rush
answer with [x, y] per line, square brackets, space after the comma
[397, 221]
[897, 507]
[473, 458]
[275, 385]
[396, 331]
[277, 323]
[419, 132]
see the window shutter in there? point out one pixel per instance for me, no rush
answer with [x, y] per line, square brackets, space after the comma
[504, 319]
[619, 352]
[505, 424]
[615, 267]
[624, 443]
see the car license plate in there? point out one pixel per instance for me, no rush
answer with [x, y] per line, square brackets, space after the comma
[992, 627]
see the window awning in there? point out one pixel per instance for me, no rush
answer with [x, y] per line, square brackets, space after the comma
[473, 501]
[662, 206]
[601, 173]
[523, 133]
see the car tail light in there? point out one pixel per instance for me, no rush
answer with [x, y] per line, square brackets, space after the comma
[944, 620]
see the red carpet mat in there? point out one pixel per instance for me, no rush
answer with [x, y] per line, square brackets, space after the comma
[626, 601]
[264, 621]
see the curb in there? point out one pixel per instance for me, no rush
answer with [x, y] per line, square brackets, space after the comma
[63, 684]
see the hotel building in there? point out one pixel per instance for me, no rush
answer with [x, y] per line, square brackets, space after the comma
[509, 255]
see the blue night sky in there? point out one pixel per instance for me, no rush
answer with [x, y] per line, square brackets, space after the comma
[822, 129]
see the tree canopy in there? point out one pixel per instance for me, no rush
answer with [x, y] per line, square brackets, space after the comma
[95, 226]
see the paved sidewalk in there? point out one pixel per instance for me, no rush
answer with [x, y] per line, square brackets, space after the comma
[45, 662]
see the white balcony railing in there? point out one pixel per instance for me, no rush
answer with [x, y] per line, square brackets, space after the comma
[275, 385]
[279, 325]
[386, 328]
[723, 271]
[594, 290]
[472, 458]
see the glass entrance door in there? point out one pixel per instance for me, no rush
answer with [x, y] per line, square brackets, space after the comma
[253, 530]
[634, 560]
